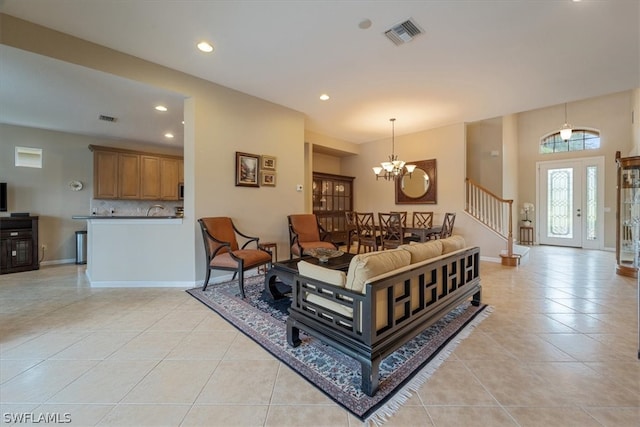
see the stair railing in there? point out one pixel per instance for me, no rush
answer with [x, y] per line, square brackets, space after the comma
[491, 210]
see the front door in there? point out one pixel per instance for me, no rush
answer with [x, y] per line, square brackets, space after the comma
[571, 199]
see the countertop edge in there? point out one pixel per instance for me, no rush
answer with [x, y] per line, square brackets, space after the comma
[114, 220]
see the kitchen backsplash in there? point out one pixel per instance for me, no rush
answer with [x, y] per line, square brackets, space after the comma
[133, 207]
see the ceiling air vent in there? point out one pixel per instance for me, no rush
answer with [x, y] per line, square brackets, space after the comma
[403, 32]
[106, 118]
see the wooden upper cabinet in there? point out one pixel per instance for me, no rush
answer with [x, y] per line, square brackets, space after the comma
[105, 175]
[134, 175]
[169, 178]
[128, 176]
[150, 177]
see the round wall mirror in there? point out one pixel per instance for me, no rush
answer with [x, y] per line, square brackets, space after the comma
[415, 185]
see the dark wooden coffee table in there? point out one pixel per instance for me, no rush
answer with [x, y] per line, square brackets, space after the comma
[285, 271]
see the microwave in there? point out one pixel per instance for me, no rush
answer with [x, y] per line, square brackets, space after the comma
[181, 191]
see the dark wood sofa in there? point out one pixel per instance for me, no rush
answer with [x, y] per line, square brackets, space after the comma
[384, 300]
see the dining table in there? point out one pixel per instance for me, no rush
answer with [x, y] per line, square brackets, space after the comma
[423, 233]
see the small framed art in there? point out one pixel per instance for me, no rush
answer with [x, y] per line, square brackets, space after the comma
[268, 163]
[247, 169]
[268, 179]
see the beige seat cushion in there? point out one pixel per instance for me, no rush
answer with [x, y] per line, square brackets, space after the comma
[365, 266]
[327, 275]
[323, 274]
[451, 244]
[423, 251]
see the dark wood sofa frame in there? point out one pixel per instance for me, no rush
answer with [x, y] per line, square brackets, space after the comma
[443, 284]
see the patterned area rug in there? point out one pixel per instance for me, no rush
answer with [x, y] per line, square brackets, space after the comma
[334, 373]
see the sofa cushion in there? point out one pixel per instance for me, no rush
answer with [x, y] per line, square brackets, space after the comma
[365, 266]
[423, 251]
[451, 244]
[323, 274]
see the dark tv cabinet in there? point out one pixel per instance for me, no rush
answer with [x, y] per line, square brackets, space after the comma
[18, 244]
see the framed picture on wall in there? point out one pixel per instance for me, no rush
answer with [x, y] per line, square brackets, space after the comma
[268, 163]
[268, 178]
[247, 169]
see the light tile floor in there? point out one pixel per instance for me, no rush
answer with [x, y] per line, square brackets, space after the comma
[560, 349]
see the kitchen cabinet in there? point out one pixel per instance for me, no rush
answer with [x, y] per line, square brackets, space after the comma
[150, 177]
[332, 197]
[169, 178]
[133, 175]
[18, 244]
[128, 176]
[628, 215]
[105, 175]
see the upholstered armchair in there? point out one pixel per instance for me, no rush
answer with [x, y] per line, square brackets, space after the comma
[220, 237]
[305, 232]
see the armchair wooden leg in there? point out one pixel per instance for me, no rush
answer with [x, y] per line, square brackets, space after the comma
[241, 282]
[206, 280]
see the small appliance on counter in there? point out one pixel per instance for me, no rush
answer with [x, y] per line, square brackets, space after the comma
[180, 211]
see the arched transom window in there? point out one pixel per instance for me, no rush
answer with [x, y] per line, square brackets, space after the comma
[581, 139]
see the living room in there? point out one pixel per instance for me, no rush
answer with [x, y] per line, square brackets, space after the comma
[217, 114]
[557, 350]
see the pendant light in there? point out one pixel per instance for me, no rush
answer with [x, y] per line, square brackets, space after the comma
[392, 168]
[565, 130]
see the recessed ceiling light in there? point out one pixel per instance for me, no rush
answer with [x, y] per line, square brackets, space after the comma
[324, 97]
[168, 135]
[205, 47]
[161, 108]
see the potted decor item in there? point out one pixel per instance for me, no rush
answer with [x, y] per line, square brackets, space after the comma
[526, 208]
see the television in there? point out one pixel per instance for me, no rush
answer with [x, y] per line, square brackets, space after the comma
[3, 196]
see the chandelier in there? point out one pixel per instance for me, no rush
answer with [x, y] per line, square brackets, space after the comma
[565, 130]
[393, 168]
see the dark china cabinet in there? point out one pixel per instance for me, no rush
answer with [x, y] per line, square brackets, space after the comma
[332, 197]
[18, 244]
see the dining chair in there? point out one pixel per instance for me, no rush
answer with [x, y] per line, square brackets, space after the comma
[391, 230]
[305, 232]
[420, 220]
[222, 251]
[352, 230]
[403, 217]
[447, 225]
[366, 231]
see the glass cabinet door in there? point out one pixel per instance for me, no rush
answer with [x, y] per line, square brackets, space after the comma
[628, 216]
[332, 197]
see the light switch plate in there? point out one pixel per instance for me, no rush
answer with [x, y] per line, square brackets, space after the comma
[299, 187]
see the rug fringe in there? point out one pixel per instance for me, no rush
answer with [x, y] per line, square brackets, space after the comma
[393, 405]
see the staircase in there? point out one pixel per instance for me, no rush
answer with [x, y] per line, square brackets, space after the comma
[495, 213]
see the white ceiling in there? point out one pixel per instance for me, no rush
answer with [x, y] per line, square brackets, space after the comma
[476, 60]
[41, 92]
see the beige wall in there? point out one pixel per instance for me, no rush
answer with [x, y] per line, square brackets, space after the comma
[44, 192]
[445, 144]
[609, 114]
[327, 164]
[485, 154]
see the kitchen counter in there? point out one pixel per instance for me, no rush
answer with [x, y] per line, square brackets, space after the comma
[135, 219]
[124, 217]
[138, 250]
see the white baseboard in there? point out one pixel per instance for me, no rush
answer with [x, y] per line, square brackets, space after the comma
[143, 284]
[59, 261]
